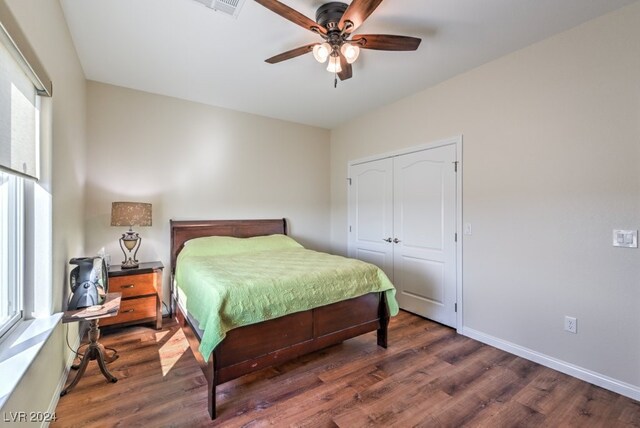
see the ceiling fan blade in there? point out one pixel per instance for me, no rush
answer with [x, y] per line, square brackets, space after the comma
[386, 42]
[291, 54]
[291, 14]
[347, 70]
[357, 12]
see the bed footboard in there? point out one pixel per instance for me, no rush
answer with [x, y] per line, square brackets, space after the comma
[257, 346]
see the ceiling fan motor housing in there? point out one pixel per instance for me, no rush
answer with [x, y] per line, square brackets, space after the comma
[328, 15]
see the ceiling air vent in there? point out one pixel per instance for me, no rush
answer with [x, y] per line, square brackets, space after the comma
[230, 7]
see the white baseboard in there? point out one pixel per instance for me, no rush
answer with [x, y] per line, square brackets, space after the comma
[65, 373]
[606, 382]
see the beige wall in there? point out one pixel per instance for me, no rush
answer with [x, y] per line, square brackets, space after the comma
[193, 161]
[551, 155]
[63, 173]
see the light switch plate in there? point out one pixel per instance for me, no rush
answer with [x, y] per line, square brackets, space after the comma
[625, 238]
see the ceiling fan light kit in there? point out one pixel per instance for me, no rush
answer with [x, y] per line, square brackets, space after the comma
[335, 22]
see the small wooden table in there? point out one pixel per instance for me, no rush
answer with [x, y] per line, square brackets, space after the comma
[95, 351]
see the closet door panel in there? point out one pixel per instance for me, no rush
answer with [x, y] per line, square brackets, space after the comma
[371, 213]
[419, 194]
[424, 227]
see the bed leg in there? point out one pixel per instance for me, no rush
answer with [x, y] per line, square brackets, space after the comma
[212, 401]
[211, 380]
[382, 333]
[383, 313]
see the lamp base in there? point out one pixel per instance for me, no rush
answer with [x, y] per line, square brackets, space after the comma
[129, 264]
[130, 243]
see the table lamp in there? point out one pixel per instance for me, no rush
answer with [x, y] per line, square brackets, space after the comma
[130, 214]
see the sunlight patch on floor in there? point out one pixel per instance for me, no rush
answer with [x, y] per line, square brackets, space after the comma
[161, 335]
[172, 348]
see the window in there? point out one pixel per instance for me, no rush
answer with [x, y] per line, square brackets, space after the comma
[11, 250]
[19, 162]
[26, 318]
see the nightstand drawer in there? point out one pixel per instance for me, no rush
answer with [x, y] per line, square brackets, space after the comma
[133, 285]
[133, 310]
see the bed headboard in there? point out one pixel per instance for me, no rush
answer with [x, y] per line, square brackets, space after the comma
[182, 231]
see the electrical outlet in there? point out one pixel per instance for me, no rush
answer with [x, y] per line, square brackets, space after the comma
[571, 324]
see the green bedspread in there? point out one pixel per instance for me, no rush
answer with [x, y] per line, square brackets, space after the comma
[225, 291]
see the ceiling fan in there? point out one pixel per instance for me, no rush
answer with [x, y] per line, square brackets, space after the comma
[335, 23]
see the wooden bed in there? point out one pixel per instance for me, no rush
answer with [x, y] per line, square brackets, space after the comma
[254, 347]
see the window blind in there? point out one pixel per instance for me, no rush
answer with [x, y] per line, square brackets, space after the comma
[18, 124]
[21, 81]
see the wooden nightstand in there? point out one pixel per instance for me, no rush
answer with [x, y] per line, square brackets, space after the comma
[141, 290]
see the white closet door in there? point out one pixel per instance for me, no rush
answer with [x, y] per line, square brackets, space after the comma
[371, 210]
[425, 225]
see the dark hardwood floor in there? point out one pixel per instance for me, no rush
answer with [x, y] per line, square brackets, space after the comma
[429, 377]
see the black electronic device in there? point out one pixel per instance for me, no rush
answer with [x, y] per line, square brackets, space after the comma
[89, 282]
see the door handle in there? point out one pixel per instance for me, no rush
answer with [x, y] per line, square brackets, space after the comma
[396, 240]
[387, 240]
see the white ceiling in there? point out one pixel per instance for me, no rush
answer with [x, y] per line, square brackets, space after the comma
[183, 49]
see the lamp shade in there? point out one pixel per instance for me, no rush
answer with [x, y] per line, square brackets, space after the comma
[130, 214]
[350, 52]
[334, 65]
[321, 52]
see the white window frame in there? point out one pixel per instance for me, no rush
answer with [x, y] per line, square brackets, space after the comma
[18, 265]
[13, 271]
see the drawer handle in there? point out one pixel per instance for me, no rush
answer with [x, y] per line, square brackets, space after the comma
[128, 286]
[128, 311]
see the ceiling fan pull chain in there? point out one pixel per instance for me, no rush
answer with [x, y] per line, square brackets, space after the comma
[335, 80]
